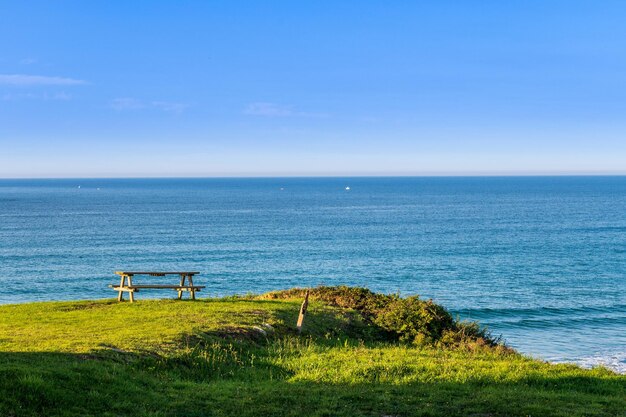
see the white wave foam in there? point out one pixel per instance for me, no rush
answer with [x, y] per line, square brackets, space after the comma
[615, 361]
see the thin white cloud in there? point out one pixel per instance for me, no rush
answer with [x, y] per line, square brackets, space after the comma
[129, 104]
[169, 106]
[59, 96]
[36, 80]
[28, 61]
[266, 109]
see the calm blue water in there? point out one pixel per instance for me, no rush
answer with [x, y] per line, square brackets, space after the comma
[540, 260]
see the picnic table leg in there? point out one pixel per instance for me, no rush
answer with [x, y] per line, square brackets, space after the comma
[182, 282]
[192, 291]
[120, 295]
[131, 294]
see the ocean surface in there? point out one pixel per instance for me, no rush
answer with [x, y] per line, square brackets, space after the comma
[539, 260]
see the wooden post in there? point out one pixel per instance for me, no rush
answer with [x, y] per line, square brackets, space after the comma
[131, 294]
[192, 291]
[120, 295]
[182, 282]
[303, 309]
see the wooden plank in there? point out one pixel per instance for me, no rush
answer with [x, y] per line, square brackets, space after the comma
[156, 273]
[130, 283]
[120, 295]
[182, 282]
[173, 287]
[192, 293]
[124, 289]
[157, 286]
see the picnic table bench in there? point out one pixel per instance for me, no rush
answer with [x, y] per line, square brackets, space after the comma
[126, 283]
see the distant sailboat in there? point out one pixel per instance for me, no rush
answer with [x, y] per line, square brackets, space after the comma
[347, 188]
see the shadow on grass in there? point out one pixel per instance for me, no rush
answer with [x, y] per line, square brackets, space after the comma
[322, 322]
[108, 383]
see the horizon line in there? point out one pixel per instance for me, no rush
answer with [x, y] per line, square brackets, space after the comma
[252, 176]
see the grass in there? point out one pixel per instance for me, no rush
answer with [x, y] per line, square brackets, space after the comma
[219, 357]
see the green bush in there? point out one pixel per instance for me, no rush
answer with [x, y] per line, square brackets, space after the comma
[414, 320]
[407, 319]
[360, 299]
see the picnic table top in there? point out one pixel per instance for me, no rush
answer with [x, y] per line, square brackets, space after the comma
[156, 273]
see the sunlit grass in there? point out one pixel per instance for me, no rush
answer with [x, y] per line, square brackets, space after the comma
[218, 357]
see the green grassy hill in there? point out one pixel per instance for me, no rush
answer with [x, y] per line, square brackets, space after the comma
[242, 357]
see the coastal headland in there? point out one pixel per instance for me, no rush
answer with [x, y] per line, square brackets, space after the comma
[359, 353]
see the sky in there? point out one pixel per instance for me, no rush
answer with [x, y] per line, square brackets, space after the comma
[283, 88]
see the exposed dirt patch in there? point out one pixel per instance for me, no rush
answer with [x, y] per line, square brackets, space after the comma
[83, 306]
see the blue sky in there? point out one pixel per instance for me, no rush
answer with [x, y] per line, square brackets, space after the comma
[149, 88]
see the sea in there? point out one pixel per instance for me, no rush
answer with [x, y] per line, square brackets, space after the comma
[540, 261]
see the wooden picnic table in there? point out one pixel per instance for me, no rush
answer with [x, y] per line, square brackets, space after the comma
[126, 283]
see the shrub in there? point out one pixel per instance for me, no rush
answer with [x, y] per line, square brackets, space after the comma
[469, 334]
[357, 298]
[414, 320]
[407, 319]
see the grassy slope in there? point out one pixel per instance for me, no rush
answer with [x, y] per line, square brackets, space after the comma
[204, 358]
